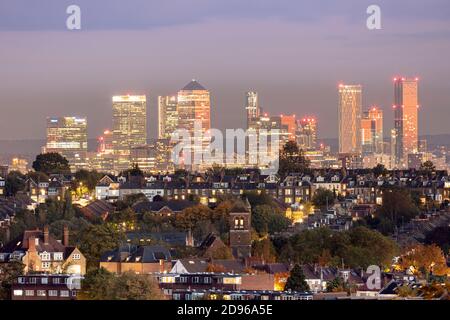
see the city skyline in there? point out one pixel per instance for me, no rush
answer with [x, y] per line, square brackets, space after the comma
[310, 51]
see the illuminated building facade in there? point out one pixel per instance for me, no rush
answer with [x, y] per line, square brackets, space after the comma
[167, 116]
[129, 127]
[68, 137]
[349, 115]
[372, 131]
[307, 133]
[406, 105]
[289, 123]
[252, 107]
[105, 143]
[194, 110]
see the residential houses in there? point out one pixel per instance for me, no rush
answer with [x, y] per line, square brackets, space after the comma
[38, 251]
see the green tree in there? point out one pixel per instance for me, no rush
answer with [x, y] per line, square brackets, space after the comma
[102, 285]
[15, 182]
[267, 219]
[292, 160]
[52, 162]
[86, 178]
[95, 240]
[323, 198]
[296, 280]
[398, 206]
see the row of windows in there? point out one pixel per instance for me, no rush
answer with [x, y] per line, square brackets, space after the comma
[44, 293]
[44, 280]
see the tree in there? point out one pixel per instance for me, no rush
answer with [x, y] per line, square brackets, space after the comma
[87, 178]
[134, 171]
[427, 168]
[296, 280]
[8, 273]
[323, 198]
[52, 162]
[100, 284]
[292, 160]
[15, 182]
[425, 260]
[95, 240]
[267, 219]
[379, 170]
[441, 237]
[264, 250]
[398, 207]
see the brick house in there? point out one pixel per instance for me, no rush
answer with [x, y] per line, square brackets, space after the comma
[40, 252]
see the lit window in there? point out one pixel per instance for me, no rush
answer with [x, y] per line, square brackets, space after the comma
[52, 293]
[29, 293]
[18, 292]
[76, 256]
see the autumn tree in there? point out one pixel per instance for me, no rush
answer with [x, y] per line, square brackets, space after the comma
[425, 260]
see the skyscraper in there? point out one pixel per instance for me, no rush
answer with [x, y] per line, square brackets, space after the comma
[307, 133]
[289, 123]
[68, 137]
[129, 127]
[194, 107]
[349, 116]
[406, 106]
[252, 107]
[167, 116]
[372, 131]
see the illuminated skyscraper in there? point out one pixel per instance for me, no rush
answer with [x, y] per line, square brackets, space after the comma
[406, 106]
[289, 124]
[129, 127]
[349, 115]
[68, 137]
[372, 131]
[307, 133]
[105, 143]
[194, 107]
[167, 116]
[252, 107]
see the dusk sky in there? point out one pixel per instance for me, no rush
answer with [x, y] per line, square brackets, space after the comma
[293, 52]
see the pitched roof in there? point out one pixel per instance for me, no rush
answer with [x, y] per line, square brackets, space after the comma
[193, 85]
[143, 254]
[155, 206]
[20, 243]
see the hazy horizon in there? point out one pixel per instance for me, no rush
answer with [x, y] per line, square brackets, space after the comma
[294, 53]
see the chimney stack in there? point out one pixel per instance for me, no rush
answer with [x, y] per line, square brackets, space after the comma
[66, 236]
[46, 235]
[31, 244]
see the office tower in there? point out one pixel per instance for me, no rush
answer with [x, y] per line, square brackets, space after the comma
[252, 107]
[307, 133]
[105, 143]
[349, 116]
[406, 106]
[289, 123]
[372, 131]
[167, 116]
[194, 104]
[129, 127]
[68, 137]
[367, 134]
[376, 115]
[394, 135]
